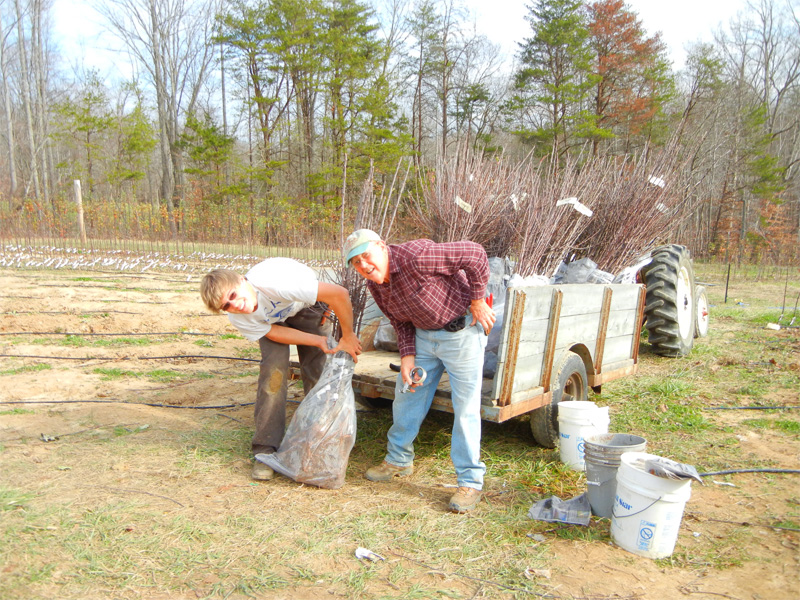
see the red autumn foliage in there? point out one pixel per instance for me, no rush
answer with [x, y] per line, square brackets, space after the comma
[627, 95]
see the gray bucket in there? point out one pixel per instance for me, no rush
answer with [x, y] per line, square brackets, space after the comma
[602, 455]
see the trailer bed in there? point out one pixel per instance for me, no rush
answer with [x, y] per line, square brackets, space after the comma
[600, 323]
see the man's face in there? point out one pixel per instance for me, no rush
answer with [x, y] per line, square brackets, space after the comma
[373, 264]
[241, 300]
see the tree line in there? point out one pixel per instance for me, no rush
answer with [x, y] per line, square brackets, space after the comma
[258, 119]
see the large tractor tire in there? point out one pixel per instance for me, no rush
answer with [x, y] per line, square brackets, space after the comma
[569, 383]
[670, 309]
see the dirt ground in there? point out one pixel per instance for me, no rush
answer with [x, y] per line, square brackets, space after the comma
[165, 307]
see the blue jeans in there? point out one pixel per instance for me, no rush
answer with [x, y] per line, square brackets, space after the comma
[461, 354]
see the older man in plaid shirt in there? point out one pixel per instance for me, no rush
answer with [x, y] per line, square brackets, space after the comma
[434, 296]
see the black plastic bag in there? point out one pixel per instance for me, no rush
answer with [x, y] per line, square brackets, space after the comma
[322, 432]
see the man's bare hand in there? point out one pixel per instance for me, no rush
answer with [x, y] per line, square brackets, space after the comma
[482, 313]
[406, 365]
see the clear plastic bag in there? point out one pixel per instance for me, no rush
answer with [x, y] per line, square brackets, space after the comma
[576, 511]
[322, 432]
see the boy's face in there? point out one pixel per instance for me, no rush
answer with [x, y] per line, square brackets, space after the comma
[240, 300]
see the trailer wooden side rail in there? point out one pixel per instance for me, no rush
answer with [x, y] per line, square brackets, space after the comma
[542, 326]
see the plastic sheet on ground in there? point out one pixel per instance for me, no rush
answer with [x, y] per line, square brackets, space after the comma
[322, 432]
[575, 511]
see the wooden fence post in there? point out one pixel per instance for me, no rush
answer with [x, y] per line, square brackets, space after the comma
[79, 201]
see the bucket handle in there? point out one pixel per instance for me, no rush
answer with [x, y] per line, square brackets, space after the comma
[616, 516]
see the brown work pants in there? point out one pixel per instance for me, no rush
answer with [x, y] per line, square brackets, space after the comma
[273, 378]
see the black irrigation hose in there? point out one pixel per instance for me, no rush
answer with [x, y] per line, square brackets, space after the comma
[748, 407]
[116, 358]
[81, 285]
[89, 312]
[128, 357]
[78, 334]
[67, 312]
[789, 471]
[124, 402]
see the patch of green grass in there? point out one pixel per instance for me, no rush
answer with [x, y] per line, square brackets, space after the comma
[157, 375]
[223, 444]
[11, 499]
[74, 341]
[596, 531]
[86, 317]
[787, 523]
[120, 430]
[672, 389]
[761, 319]
[667, 411]
[78, 341]
[707, 556]
[163, 375]
[125, 341]
[704, 350]
[105, 545]
[752, 388]
[17, 411]
[656, 405]
[785, 425]
[169, 376]
[26, 369]
[252, 586]
[114, 373]
[230, 336]
[247, 373]
[204, 343]
[248, 352]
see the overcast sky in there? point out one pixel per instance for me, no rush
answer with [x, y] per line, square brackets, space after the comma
[502, 21]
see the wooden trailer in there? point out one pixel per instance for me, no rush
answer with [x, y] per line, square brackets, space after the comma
[556, 342]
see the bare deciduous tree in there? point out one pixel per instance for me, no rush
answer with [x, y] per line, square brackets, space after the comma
[9, 124]
[171, 41]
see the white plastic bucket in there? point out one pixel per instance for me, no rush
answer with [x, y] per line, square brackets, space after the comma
[647, 509]
[577, 420]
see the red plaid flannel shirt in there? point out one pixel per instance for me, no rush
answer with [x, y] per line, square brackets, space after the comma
[429, 285]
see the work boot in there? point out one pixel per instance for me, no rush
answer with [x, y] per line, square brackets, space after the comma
[465, 499]
[387, 471]
[262, 472]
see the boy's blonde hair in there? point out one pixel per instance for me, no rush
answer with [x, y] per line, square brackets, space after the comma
[215, 285]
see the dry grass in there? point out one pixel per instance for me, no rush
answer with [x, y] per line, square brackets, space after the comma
[116, 509]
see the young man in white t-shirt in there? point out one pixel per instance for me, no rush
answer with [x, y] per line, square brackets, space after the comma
[280, 302]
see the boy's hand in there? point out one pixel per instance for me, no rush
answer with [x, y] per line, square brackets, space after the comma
[350, 344]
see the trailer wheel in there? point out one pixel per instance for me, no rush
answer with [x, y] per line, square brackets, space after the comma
[701, 325]
[570, 383]
[670, 309]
